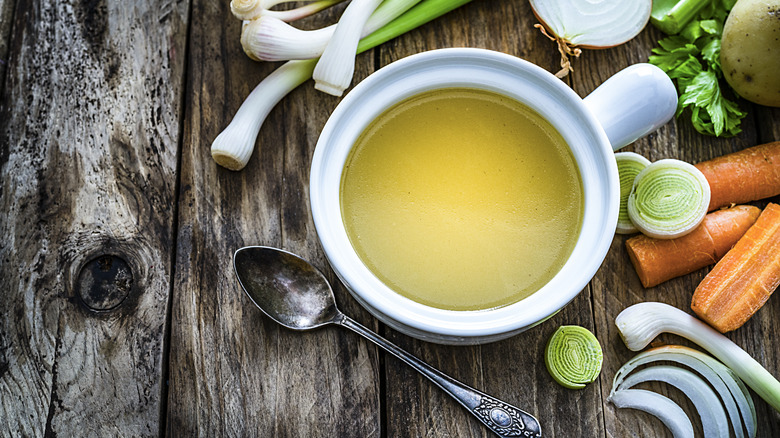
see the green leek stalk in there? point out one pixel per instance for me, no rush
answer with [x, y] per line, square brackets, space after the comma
[268, 38]
[671, 16]
[641, 323]
[233, 147]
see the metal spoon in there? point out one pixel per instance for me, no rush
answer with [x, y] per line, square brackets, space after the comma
[295, 294]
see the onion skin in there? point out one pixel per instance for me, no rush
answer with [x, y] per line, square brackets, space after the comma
[641, 19]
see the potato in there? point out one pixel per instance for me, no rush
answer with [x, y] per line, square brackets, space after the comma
[750, 50]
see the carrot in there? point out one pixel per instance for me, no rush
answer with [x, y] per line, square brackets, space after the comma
[744, 278]
[744, 176]
[658, 260]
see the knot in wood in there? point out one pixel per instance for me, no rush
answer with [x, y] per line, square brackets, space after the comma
[104, 282]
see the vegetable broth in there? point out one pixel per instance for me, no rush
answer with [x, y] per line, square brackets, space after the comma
[462, 199]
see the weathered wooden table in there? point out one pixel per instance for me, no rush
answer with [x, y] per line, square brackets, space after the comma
[121, 315]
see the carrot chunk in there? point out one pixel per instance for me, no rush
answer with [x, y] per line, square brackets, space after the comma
[744, 278]
[659, 260]
[748, 175]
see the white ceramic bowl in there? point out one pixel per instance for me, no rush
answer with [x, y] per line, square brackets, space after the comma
[617, 113]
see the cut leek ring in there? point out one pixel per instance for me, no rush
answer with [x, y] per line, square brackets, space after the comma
[573, 356]
[629, 165]
[669, 199]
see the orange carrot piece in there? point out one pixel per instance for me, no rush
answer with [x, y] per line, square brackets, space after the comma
[748, 175]
[744, 278]
[659, 260]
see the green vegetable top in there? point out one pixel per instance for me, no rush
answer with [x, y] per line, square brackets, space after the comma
[692, 59]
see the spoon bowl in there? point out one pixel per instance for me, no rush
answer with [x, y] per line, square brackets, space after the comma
[285, 287]
[296, 295]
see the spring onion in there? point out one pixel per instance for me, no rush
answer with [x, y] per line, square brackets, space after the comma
[268, 38]
[589, 24]
[669, 412]
[641, 323]
[629, 165]
[573, 356]
[253, 9]
[669, 199]
[334, 70]
[233, 147]
[733, 393]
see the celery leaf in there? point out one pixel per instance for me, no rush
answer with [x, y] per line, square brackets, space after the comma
[711, 113]
[692, 60]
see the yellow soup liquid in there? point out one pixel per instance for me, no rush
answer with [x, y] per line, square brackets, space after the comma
[462, 199]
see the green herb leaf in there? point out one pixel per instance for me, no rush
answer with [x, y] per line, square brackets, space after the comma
[712, 27]
[711, 53]
[673, 53]
[719, 115]
[692, 60]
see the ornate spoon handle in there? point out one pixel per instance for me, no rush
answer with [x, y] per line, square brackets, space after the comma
[502, 418]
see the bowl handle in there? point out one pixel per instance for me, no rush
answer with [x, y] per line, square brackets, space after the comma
[633, 103]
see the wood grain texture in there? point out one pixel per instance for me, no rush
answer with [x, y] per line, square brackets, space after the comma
[233, 371]
[118, 228]
[89, 129]
[6, 15]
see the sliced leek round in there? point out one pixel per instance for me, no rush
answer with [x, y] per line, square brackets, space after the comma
[573, 356]
[629, 165]
[669, 199]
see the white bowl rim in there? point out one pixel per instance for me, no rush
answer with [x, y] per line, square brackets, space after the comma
[569, 281]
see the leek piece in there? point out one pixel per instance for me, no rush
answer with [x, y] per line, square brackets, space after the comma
[629, 165]
[420, 14]
[233, 147]
[573, 356]
[336, 66]
[254, 9]
[735, 396]
[707, 403]
[269, 38]
[669, 412]
[669, 199]
[641, 323]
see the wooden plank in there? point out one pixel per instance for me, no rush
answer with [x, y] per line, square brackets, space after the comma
[234, 371]
[89, 129]
[6, 14]
[512, 370]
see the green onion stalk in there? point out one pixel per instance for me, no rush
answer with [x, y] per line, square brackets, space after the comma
[234, 146]
[641, 323]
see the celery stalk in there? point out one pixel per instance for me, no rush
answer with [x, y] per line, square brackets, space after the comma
[671, 16]
[420, 14]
